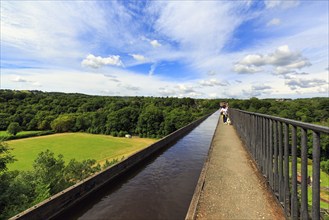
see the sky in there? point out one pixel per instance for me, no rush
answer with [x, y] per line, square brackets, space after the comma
[199, 49]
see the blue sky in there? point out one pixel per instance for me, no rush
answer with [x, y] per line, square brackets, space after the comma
[200, 49]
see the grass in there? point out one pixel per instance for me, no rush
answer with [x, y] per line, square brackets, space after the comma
[324, 178]
[75, 145]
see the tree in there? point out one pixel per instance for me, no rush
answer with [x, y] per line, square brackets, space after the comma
[5, 156]
[63, 123]
[49, 170]
[13, 128]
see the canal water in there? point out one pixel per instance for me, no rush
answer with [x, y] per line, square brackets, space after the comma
[160, 188]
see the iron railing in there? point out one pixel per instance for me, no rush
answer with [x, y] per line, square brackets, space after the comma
[272, 141]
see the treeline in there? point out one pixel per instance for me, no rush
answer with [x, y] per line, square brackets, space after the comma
[117, 116]
[311, 110]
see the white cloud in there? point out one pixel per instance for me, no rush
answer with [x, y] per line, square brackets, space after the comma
[281, 3]
[185, 89]
[274, 22]
[138, 57]
[97, 62]
[152, 69]
[211, 73]
[306, 83]
[213, 82]
[130, 87]
[155, 43]
[19, 79]
[241, 68]
[283, 60]
[261, 87]
[199, 30]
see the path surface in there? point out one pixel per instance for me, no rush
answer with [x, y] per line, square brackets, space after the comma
[233, 188]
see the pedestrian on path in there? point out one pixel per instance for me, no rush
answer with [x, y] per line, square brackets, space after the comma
[224, 112]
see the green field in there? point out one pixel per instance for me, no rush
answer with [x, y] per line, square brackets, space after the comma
[75, 145]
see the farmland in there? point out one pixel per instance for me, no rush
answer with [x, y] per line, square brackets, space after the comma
[79, 146]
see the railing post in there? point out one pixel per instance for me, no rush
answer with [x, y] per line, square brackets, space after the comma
[275, 145]
[264, 145]
[316, 177]
[286, 171]
[304, 177]
[294, 198]
[271, 153]
[281, 187]
[267, 146]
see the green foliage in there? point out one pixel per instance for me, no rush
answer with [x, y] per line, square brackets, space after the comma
[35, 110]
[21, 190]
[5, 156]
[110, 163]
[24, 134]
[49, 170]
[325, 166]
[76, 171]
[63, 123]
[13, 128]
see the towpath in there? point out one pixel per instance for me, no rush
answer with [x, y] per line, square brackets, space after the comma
[233, 188]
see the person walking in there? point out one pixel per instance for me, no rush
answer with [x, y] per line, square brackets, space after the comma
[224, 112]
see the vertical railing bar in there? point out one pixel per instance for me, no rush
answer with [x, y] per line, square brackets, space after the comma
[286, 171]
[271, 153]
[294, 198]
[304, 206]
[267, 149]
[254, 136]
[275, 145]
[264, 145]
[258, 138]
[316, 177]
[281, 187]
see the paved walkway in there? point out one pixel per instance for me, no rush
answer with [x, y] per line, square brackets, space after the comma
[233, 188]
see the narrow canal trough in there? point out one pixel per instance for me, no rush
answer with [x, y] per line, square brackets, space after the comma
[161, 187]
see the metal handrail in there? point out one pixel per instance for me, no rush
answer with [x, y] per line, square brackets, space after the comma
[272, 141]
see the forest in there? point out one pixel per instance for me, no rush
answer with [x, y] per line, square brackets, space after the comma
[144, 116]
[154, 117]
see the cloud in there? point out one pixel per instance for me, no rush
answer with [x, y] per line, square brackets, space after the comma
[138, 57]
[274, 22]
[97, 62]
[281, 3]
[152, 69]
[211, 73]
[130, 87]
[261, 87]
[19, 79]
[185, 89]
[198, 30]
[283, 60]
[213, 82]
[155, 43]
[167, 92]
[305, 83]
[241, 68]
